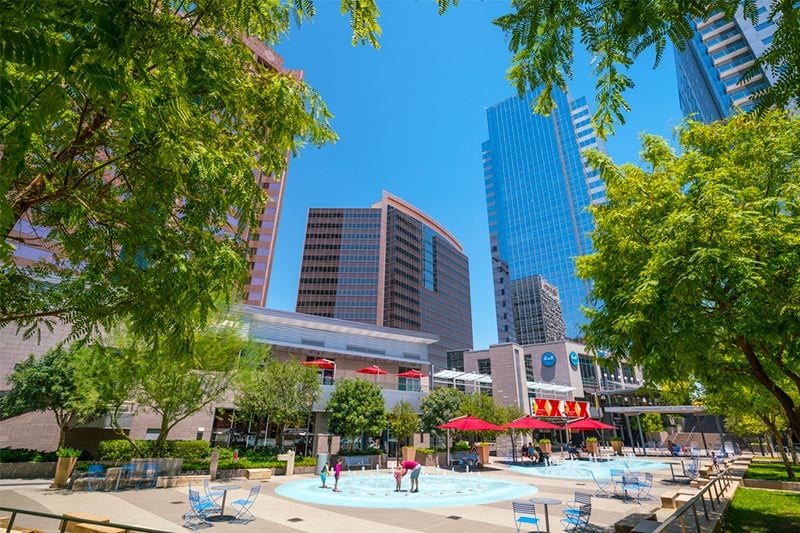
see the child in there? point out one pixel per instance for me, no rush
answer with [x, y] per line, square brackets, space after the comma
[337, 472]
[398, 477]
[323, 475]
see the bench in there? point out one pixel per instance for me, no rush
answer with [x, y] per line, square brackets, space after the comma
[356, 461]
[16, 529]
[668, 498]
[682, 499]
[627, 524]
[78, 516]
[259, 473]
[646, 526]
[82, 527]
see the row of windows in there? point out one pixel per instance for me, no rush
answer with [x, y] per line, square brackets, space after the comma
[337, 246]
[341, 258]
[338, 281]
[347, 269]
[342, 214]
[356, 303]
[343, 225]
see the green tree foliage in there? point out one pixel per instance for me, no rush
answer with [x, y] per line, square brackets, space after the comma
[173, 380]
[283, 392]
[356, 407]
[403, 420]
[695, 270]
[439, 406]
[484, 407]
[48, 383]
[131, 130]
[541, 34]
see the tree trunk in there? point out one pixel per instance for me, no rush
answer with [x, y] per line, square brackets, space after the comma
[791, 447]
[784, 457]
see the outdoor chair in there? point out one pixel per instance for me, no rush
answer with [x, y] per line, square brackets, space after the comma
[603, 485]
[630, 483]
[577, 519]
[616, 478]
[580, 499]
[524, 513]
[693, 470]
[199, 511]
[243, 514]
[95, 477]
[645, 486]
[212, 495]
[148, 476]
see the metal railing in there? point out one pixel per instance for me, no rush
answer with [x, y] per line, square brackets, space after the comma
[64, 520]
[714, 490]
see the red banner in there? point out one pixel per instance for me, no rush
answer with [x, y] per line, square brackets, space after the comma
[576, 409]
[544, 407]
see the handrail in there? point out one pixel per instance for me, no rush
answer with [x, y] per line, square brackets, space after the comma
[64, 519]
[715, 490]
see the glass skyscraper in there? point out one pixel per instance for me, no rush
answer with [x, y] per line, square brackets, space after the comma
[389, 265]
[538, 188]
[710, 69]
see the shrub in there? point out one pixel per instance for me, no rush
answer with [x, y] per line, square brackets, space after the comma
[119, 450]
[544, 441]
[68, 452]
[426, 451]
[615, 439]
[188, 449]
[591, 439]
[356, 451]
[25, 455]
[460, 446]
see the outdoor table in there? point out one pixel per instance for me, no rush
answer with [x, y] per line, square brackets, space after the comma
[546, 502]
[222, 516]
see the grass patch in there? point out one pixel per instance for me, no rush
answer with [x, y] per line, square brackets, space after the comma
[770, 470]
[762, 511]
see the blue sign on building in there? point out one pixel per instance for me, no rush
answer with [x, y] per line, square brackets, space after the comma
[573, 358]
[548, 359]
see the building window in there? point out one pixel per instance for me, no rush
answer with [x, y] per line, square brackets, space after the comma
[627, 373]
[529, 376]
[455, 360]
[485, 366]
[588, 370]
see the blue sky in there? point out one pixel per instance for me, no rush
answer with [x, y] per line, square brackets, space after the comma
[411, 119]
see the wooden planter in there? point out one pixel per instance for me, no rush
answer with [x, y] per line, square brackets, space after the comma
[546, 447]
[408, 453]
[63, 470]
[483, 454]
[617, 446]
[592, 447]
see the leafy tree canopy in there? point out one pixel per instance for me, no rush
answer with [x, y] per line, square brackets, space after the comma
[695, 270]
[283, 391]
[403, 420]
[541, 35]
[131, 130]
[355, 407]
[439, 406]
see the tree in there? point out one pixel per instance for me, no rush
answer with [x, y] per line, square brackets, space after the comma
[131, 130]
[403, 420]
[174, 379]
[284, 392]
[356, 406]
[541, 35]
[694, 276]
[439, 406]
[48, 384]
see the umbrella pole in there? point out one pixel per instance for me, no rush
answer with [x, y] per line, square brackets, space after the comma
[448, 446]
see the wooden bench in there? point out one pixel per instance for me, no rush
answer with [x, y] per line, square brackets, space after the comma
[259, 473]
[82, 527]
[646, 526]
[627, 524]
[683, 499]
[77, 517]
[4, 520]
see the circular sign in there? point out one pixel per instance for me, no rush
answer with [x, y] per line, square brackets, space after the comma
[548, 359]
[573, 358]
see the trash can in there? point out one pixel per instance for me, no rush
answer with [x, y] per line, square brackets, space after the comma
[322, 458]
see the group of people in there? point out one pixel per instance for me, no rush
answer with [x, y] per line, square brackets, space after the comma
[534, 453]
[400, 471]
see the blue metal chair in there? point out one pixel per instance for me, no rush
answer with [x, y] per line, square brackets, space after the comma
[243, 515]
[577, 519]
[95, 477]
[630, 483]
[602, 485]
[524, 513]
[645, 486]
[199, 511]
[148, 476]
[213, 495]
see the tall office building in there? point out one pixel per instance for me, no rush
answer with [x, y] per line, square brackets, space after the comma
[710, 69]
[389, 265]
[538, 188]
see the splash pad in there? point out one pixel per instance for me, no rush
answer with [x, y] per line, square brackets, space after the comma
[575, 469]
[376, 489]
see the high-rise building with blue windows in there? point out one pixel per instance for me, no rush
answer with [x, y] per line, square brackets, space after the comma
[538, 189]
[710, 83]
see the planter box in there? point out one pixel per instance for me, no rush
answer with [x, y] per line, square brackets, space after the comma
[27, 470]
[431, 459]
[592, 447]
[771, 484]
[483, 454]
[408, 453]
[64, 468]
[617, 446]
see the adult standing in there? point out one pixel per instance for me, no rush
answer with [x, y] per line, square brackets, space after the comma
[415, 468]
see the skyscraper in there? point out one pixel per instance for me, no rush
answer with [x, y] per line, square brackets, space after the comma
[390, 265]
[710, 68]
[538, 188]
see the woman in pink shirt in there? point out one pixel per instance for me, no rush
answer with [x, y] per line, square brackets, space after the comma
[415, 468]
[337, 472]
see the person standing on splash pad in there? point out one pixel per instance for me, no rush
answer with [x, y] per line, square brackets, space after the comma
[415, 468]
[337, 472]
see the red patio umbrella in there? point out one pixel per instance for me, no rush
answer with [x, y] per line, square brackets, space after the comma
[375, 370]
[467, 423]
[587, 424]
[526, 423]
[529, 422]
[416, 374]
[320, 363]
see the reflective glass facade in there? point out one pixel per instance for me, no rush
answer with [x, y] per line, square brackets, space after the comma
[389, 265]
[710, 69]
[537, 190]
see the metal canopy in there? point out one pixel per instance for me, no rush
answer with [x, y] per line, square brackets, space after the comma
[660, 409]
[535, 385]
[463, 376]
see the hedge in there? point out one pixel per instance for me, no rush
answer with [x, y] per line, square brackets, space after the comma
[121, 450]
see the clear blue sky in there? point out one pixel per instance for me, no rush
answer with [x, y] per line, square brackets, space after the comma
[411, 119]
